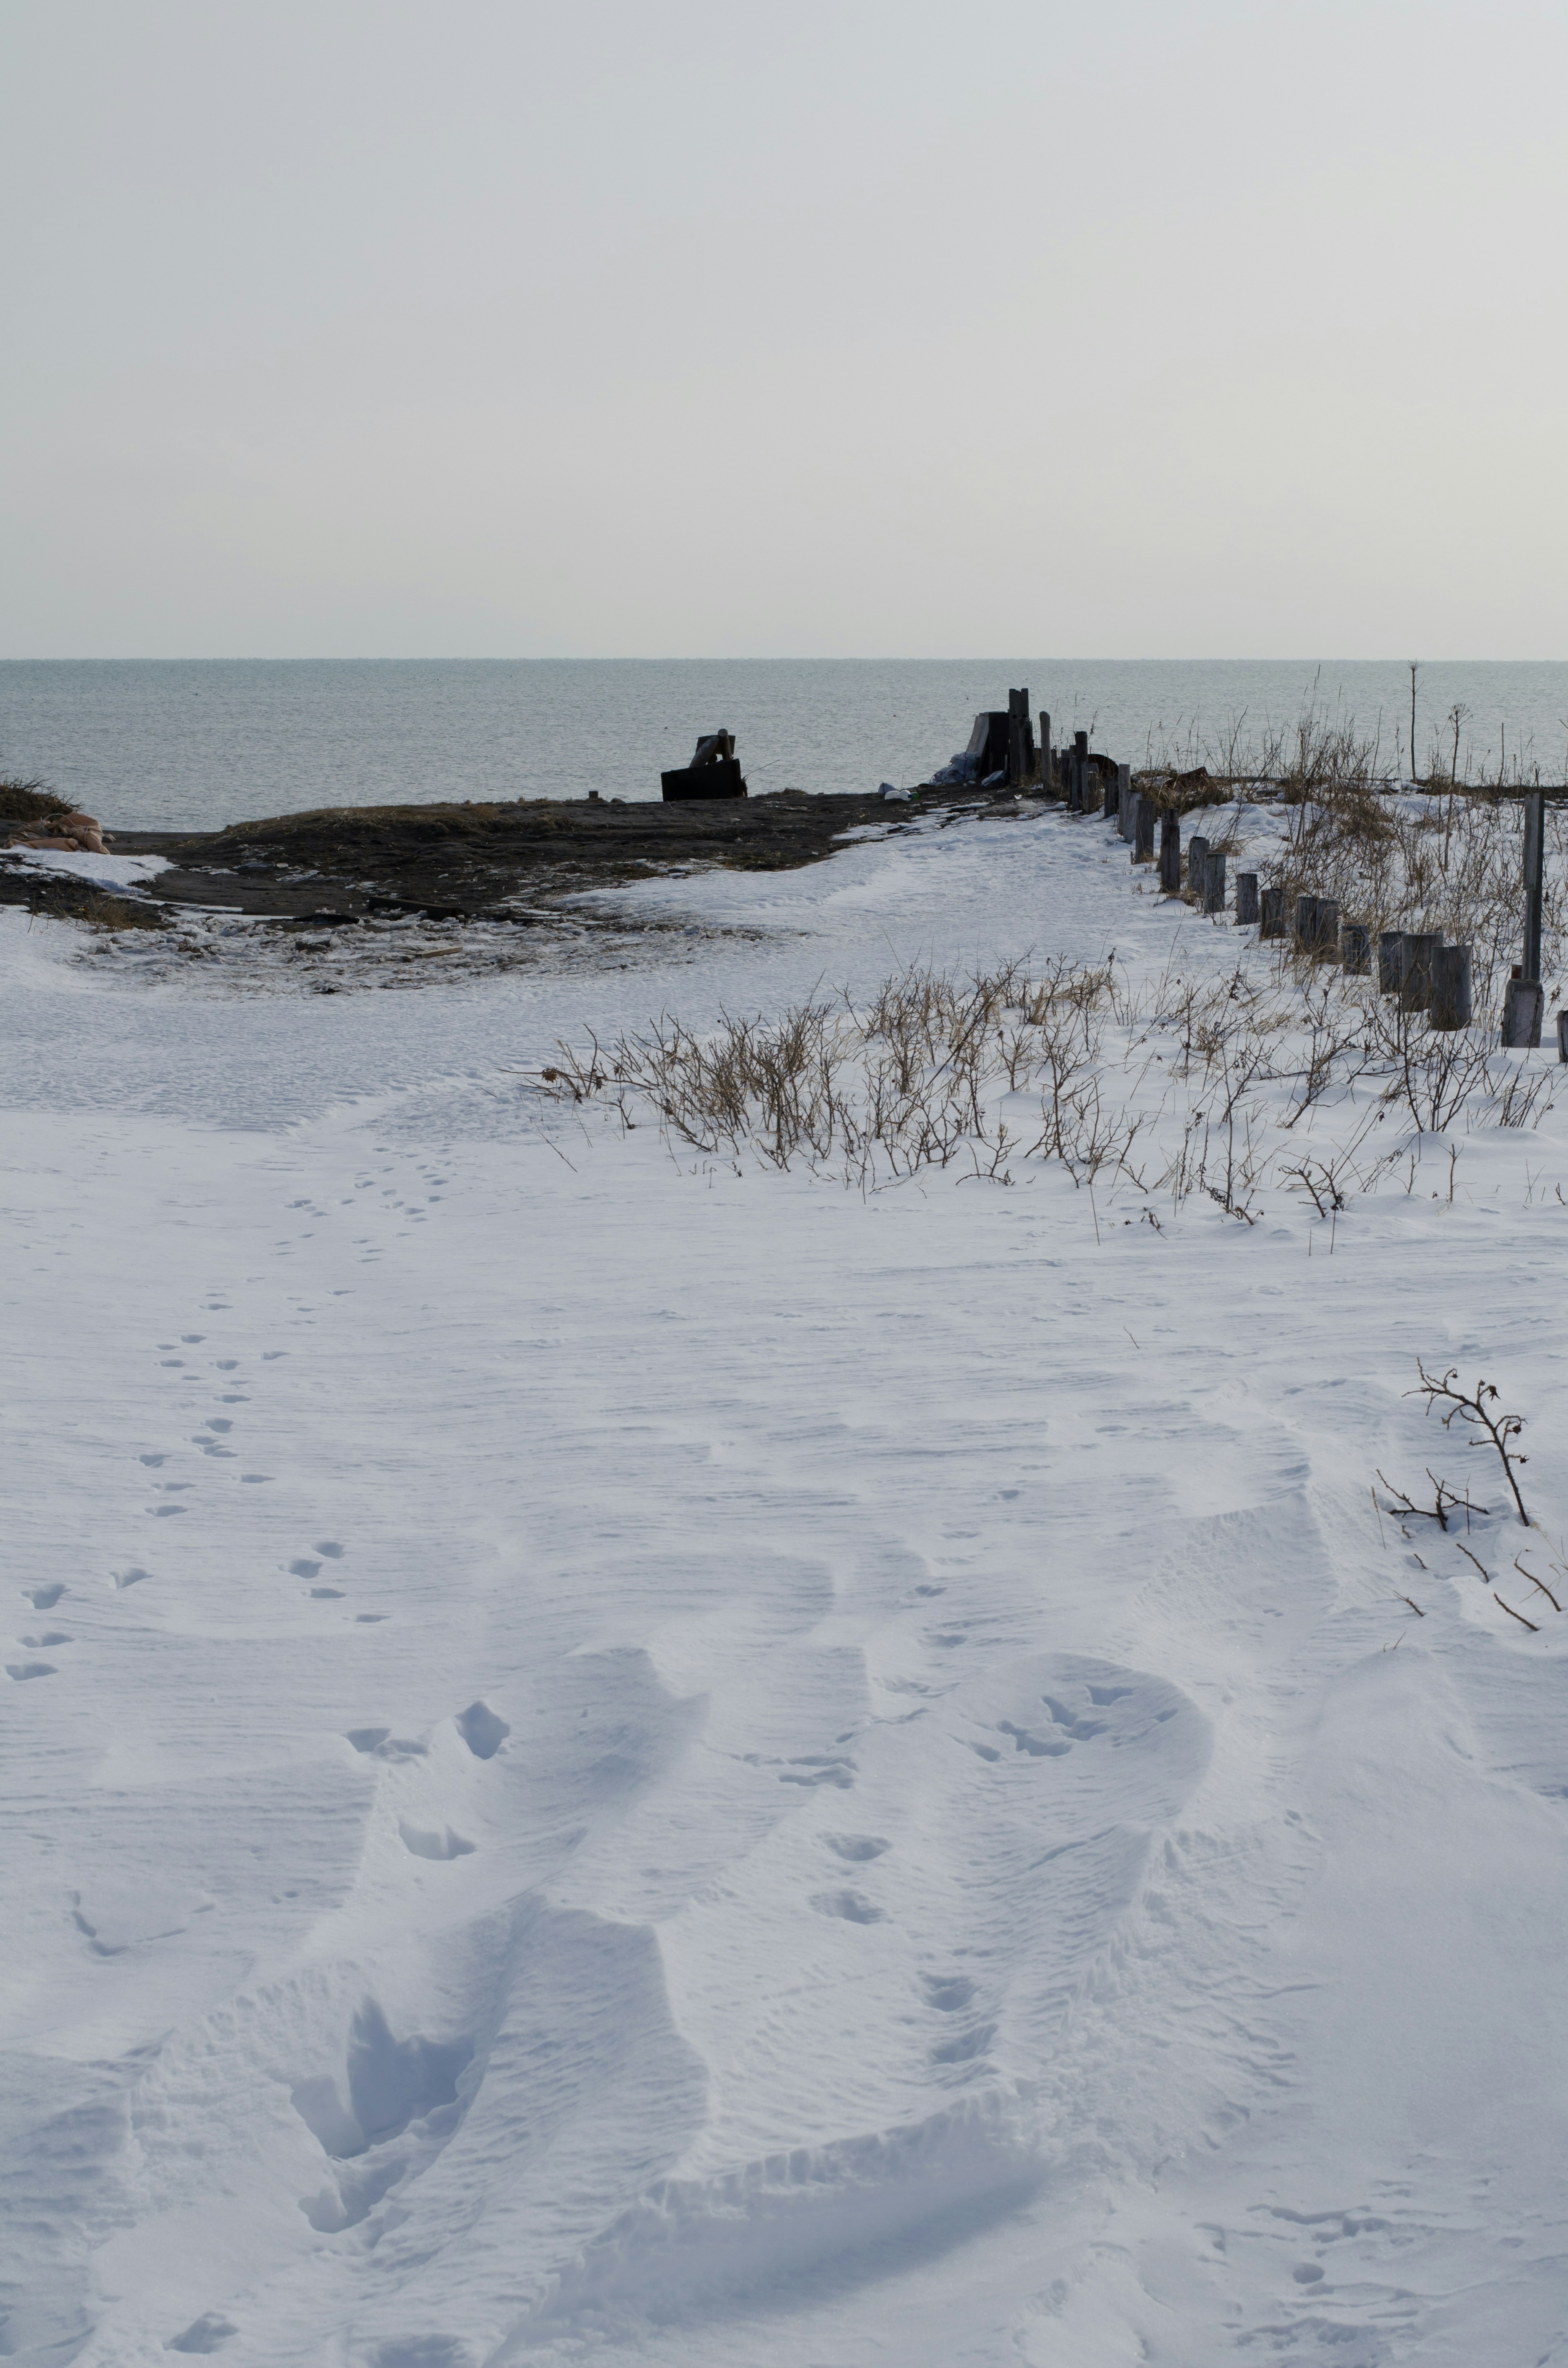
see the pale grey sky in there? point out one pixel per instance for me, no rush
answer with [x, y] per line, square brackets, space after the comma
[384, 330]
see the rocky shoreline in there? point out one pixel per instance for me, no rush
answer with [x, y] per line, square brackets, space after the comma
[498, 863]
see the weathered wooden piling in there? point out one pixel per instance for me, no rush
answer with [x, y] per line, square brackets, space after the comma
[1020, 740]
[1214, 883]
[1116, 799]
[1317, 925]
[1271, 913]
[1535, 881]
[1391, 961]
[1563, 1035]
[1450, 1003]
[1524, 1001]
[1197, 856]
[1247, 898]
[1077, 773]
[1416, 948]
[1126, 814]
[1143, 844]
[1356, 948]
[1170, 854]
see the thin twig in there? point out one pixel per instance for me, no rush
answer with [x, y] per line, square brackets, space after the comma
[1546, 1590]
[1515, 1615]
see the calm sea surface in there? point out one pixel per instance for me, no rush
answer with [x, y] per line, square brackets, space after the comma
[174, 745]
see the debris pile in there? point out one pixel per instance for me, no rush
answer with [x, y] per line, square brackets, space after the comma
[713, 772]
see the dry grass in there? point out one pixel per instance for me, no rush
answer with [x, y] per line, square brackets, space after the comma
[1220, 1087]
[29, 802]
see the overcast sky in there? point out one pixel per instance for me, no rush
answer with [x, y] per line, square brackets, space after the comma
[360, 328]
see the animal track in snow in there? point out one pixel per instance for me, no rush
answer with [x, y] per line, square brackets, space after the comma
[823, 1768]
[154, 1463]
[330, 1547]
[51, 1638]
[19, 1672]
[44, 1599]
[481, 1730]
[857, 1848]
[204, 2334]
[946, 1992]
[442, 1844]
[384, 1744]
[849, 1905]
[303, 1568]
[327, 1594]
[122, 1578]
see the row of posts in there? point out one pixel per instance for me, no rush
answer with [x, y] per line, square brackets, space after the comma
[1425, 974]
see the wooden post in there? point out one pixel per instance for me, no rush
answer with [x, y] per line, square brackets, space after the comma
[1390, 962]
[1144, 840]
[1077, 772]
[1523, 1002]
[1126, 820]
[1123, 789]
[1563, 1035]
[1017, 768]
[1247, 898]
[1045, 776]
[1415, 975]
[1197, 856]
[1534, 867]
[1271, 915]
[1357, 943]
[1327, 925]
[1170, 854]
[1450, 1005]
[1307, 923]
[1213, 883]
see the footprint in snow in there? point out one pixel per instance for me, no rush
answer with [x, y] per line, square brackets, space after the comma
[857, 1848]
[481, 1730]
[19, 1672]
[442, 1844]
[44, 1643]
[122, 1578]
[44, 1599]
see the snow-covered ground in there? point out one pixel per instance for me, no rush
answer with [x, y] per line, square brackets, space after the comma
[614, 1754]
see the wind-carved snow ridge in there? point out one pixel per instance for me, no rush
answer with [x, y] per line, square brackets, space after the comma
[692, 2241]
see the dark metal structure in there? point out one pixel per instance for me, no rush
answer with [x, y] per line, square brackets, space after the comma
[713, 772]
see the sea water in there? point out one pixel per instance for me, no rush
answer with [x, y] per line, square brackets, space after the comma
[194, 745]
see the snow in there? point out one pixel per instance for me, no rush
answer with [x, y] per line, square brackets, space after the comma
[109, 871]
[616, 1754]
